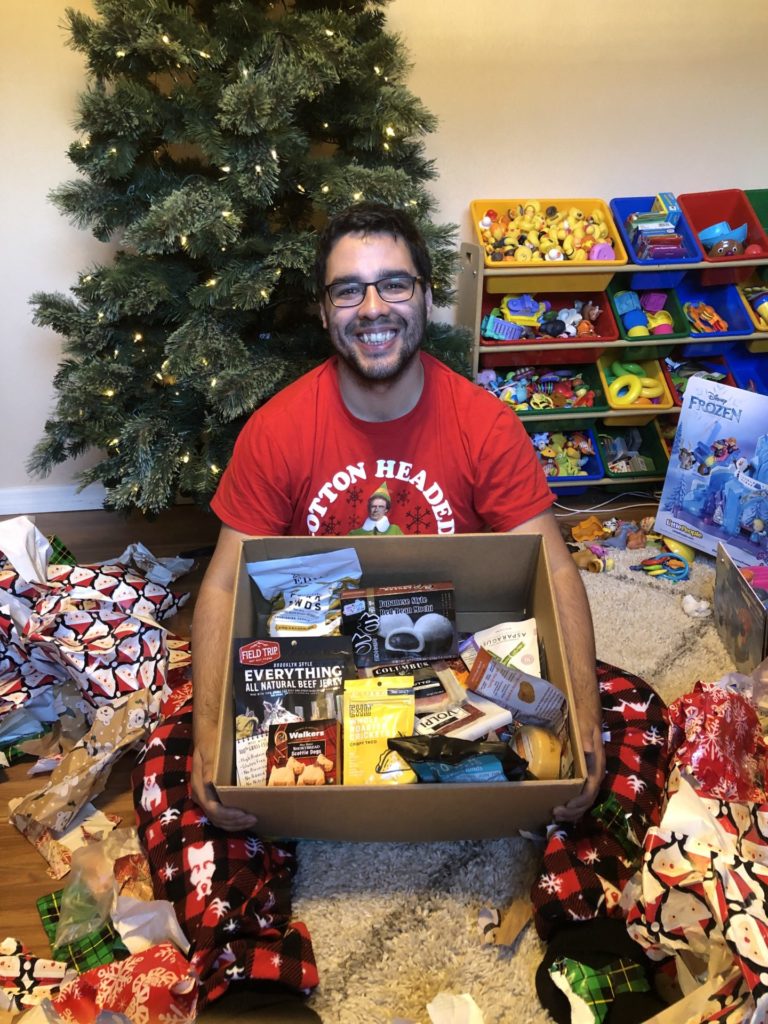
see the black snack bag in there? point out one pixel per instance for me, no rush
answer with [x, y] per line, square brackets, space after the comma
[452, 759]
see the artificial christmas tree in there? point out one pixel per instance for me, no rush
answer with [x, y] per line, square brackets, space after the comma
[216, 137]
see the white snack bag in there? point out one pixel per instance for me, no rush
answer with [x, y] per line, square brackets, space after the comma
[305, 591]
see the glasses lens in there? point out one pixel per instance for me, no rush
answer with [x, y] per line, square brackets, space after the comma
[395, 289]
[391, 289]
[348, 293]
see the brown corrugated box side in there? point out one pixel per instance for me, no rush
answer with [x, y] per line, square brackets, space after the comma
[740, 616]
[497, 577]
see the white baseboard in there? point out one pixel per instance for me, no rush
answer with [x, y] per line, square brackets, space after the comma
[18, 501]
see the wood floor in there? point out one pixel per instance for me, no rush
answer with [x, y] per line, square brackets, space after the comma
[99, 536]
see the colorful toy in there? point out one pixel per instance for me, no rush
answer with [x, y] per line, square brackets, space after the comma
[704, 318]
[528, 233]
[713, 235]
[670, 567]
[628, 383]
[563, 454]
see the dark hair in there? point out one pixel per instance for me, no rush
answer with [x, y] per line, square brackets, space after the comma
[372, 219]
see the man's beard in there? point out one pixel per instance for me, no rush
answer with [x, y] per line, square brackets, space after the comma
[370, 370]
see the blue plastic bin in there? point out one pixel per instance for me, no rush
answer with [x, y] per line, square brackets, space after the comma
[726, 300]
[593, 466]
[621, 208]
[749, 369]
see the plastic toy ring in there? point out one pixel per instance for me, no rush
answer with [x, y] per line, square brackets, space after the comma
[633, 388]
[650, 388]
[621, 368]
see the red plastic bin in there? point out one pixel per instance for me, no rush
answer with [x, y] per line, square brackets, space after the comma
[703, 209]
[605, 325]
[716, 363]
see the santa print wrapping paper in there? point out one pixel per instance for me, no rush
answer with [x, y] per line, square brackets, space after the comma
[231, 891]
[26, 980]
[97, 627]
[703, 887]
[147, 988]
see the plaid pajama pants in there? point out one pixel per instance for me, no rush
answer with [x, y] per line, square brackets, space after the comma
[585, 865]
[231, 891]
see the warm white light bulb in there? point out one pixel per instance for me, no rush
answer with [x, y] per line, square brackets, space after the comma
[211, 282]
[226, 168]
[109, 393]
[325, 188]
[119, 53]
[214, 382]
[138, 336]
[165, 38]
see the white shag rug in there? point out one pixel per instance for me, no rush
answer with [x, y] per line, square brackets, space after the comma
[395, 924]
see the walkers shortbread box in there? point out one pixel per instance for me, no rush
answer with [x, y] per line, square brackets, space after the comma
[496, 578]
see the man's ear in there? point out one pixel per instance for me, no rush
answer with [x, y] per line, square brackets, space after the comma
[323, 317]
[428, 301]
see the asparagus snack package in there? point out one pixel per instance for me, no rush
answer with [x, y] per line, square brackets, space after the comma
[305, 591]
[373, 711]
[513, 643]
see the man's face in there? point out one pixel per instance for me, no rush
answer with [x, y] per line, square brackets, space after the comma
[377, 509]
[376, 339]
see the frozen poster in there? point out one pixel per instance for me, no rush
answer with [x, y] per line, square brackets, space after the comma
[716, 487]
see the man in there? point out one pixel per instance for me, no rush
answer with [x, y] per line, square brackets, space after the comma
[380, 411]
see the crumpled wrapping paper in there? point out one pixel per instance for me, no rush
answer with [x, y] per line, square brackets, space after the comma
[702, 892]
[715, 736]
[26, 980]
[94, 626]
[147, 988]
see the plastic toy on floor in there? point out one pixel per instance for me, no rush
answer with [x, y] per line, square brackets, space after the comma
[671, 567]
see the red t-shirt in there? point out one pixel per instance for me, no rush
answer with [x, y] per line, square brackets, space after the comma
[459, 462]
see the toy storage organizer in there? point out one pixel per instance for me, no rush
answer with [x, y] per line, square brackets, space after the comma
[740, 350]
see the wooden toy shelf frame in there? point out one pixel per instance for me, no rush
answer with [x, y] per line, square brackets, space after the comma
[472, 276]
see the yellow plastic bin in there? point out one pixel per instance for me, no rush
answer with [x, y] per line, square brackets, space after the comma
[533, 219]
[641, 410]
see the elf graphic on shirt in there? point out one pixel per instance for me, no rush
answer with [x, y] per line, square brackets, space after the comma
[377, 522]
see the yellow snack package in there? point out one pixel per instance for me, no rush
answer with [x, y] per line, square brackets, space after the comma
[374, 710]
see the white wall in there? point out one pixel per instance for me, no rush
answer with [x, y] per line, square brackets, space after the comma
[534, 97]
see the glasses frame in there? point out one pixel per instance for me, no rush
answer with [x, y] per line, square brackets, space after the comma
[413, 278]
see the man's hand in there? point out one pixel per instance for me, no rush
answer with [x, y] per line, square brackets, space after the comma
[232, 819]
[594, 755]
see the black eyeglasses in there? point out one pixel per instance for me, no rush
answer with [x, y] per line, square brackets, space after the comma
[397, 288]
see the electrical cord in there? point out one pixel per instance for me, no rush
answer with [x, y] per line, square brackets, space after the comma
[596, 508]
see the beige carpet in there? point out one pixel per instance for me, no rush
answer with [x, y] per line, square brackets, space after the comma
[395, 924]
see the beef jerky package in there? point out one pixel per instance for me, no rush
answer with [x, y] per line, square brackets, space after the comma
[392, 624]
[449, 759]
[282, 680]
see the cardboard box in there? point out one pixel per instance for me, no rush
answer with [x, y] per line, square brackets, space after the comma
[741, 615]
[497, 577]
[716, 487]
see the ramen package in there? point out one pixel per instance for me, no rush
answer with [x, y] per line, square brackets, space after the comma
[392, 624]
[375, 710]
[305, 591]
[281, 681]
[303, 753]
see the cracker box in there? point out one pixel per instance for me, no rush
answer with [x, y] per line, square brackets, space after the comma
[390, 623]
[497, 578]
[741, 610]
[716, 487]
